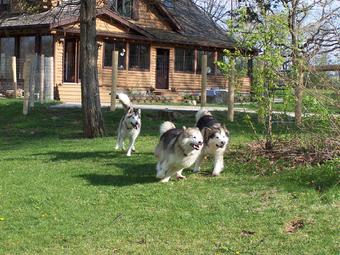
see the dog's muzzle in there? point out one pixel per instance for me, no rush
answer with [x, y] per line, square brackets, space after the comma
[135, 126]
[221, 145]
[196, 146]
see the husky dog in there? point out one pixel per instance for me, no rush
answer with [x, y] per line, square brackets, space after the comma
[216, 138]
[129, 126]
[177, 149]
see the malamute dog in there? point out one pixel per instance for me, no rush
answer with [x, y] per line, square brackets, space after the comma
[177, 149]
[129, 126]
[216, 139]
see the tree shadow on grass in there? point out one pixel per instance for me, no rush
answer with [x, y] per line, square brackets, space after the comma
[132, 174]
[90, 155]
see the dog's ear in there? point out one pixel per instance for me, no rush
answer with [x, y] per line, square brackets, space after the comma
[225, 130]
[207, 133]
[130, 111]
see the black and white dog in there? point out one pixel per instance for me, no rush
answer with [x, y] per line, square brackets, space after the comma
[216, 139]
[129, 126]
[178, 148]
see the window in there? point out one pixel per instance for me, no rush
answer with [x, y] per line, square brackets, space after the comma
[47, 45]
[210, 63]
[184, 60]
[123, 7]
[7, 46]
[27, 51]
[4, 5]
[139, 56]
[121, 48]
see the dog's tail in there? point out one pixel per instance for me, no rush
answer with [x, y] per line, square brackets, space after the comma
[125, 100]
[201, 113]
[166, 126]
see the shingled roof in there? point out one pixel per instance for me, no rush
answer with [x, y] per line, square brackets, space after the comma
[194, 27]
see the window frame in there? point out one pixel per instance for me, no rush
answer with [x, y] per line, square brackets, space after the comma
[139, 68]
[114, 6]
[185, 57]
[114, 47]
[5, 6]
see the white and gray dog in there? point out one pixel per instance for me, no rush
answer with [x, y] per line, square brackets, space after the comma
[177, 149]
[216, 139]
[129, 126]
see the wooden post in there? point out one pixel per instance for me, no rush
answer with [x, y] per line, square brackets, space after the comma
[14, 73]
[26, 74]
[114, 80]
[41, 78]
[32, 80]
[204, 80]
[231, 91]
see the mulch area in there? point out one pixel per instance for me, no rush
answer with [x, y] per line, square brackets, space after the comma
[294, 152]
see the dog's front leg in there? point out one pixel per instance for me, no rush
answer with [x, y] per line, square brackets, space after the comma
[198, 162]
[218, 164]
[131, 146]
[179, 175]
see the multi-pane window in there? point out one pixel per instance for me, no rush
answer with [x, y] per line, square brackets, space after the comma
[139, 56]
[184, 60]
[7, 46]
[109, 47]
[123, 7]
[47, 45]
[210, 61]
[4, 5]
[27, 51]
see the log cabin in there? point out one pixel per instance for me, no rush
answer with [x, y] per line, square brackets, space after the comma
[160, 45]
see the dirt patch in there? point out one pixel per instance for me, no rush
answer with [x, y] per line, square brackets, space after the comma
[294, 225]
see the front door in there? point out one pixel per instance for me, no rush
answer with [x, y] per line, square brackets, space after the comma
[71, 60]
[162, 69]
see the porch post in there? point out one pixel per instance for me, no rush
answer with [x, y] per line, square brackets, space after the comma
[204, 80]
[14, 73]
[41, 78]
[114, 80]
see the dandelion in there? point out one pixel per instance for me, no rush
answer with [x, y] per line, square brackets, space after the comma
[2, 219]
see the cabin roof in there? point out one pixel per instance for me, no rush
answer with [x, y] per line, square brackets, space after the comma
[191, 25]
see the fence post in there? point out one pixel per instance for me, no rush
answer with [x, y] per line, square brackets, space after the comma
[231, 91]
[32, 80]
[14, 73]
[26, 74]
[204, 80]
[114, 80]
[41, 78]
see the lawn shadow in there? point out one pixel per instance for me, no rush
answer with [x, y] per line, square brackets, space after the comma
[132, 174]
[79, 155]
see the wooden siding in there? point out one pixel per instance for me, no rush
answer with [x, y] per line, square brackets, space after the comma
[58, 61]
[148, 17]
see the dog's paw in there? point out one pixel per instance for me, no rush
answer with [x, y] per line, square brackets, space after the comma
[215, 174]
[196, 170]
[128, 154]
[180, 177]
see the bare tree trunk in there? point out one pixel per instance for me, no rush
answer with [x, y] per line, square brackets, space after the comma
[92, 116]
[231, 91]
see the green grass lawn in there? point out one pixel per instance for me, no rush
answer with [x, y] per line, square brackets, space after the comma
[61, 194]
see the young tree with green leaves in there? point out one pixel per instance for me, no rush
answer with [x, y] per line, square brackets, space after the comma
[268, 37]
